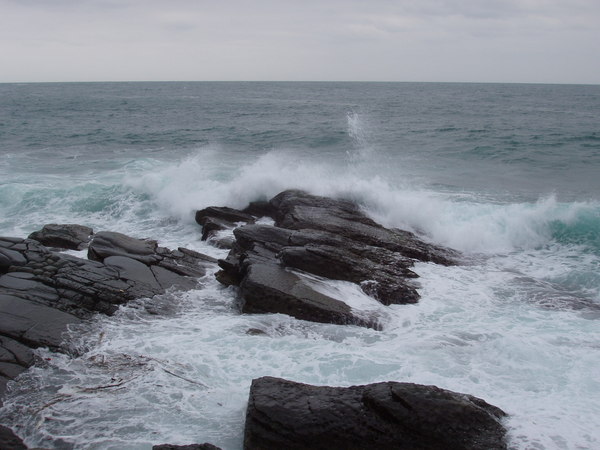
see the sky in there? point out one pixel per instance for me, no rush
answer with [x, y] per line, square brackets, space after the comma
[530, 41]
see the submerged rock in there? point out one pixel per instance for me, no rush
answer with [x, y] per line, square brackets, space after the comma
[328, 238]
[389, 415]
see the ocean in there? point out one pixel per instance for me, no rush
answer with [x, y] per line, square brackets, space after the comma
[508, 174]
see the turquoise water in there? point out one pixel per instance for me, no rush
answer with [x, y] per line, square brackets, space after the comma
[507, 174]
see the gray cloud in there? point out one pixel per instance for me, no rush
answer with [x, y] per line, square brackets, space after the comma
[409, 40]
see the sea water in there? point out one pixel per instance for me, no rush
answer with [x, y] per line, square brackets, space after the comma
[507, 174]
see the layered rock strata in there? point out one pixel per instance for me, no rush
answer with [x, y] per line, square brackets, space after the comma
[43, 291]
[327, 238]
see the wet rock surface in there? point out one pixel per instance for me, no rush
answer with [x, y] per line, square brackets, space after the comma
[42, 291]
[217, 218]
[389, 415]
[328, 238]
[67, 236]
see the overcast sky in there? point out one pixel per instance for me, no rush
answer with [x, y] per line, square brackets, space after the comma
[547, 41]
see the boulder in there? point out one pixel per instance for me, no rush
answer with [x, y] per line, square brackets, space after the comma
[388, 415]
[67, 236]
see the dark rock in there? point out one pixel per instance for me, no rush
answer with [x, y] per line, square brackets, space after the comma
[211, 226]
[327, 238]
[256, 332]
[33, 324]
[267, 288]
[214, 219]
[260, 208]
[204, 446]
[131, 269]
[298, 210]
[9, 440]
[381, 273]
[43, 292]
[68, 236]
[109, 243]
[225, 242]
[223, 213]
[184, 262]
[9, 258]
[391, 415]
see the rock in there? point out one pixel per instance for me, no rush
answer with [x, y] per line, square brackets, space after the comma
[43, 292]
[256, 332]
[184, 262]
[205, 446]
[33, 324]
[67, 236]
[260, 208]
[298, 210]
[389, 415]
[15, 358]
[223, 213]
[109, 243]
[211, 226]
[328, 238]
[215, 218]
[9, 440]
[268, 288]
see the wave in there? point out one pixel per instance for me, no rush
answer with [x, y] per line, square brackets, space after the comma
[468, 222]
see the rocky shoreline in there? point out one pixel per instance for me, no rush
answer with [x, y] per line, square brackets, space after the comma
[276, 265]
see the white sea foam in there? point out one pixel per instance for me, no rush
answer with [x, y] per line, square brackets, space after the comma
[183, 376]
[460, 221]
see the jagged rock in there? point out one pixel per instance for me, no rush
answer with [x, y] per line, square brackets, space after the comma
[15, 358]
[328, 238]
[216, 218]
[260, 208]
[297, 210]
[223, 213]
[268, 288]
[43, 292]
[68, 236]
[389, 415]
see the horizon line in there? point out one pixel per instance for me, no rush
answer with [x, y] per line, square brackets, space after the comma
[304, 81]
